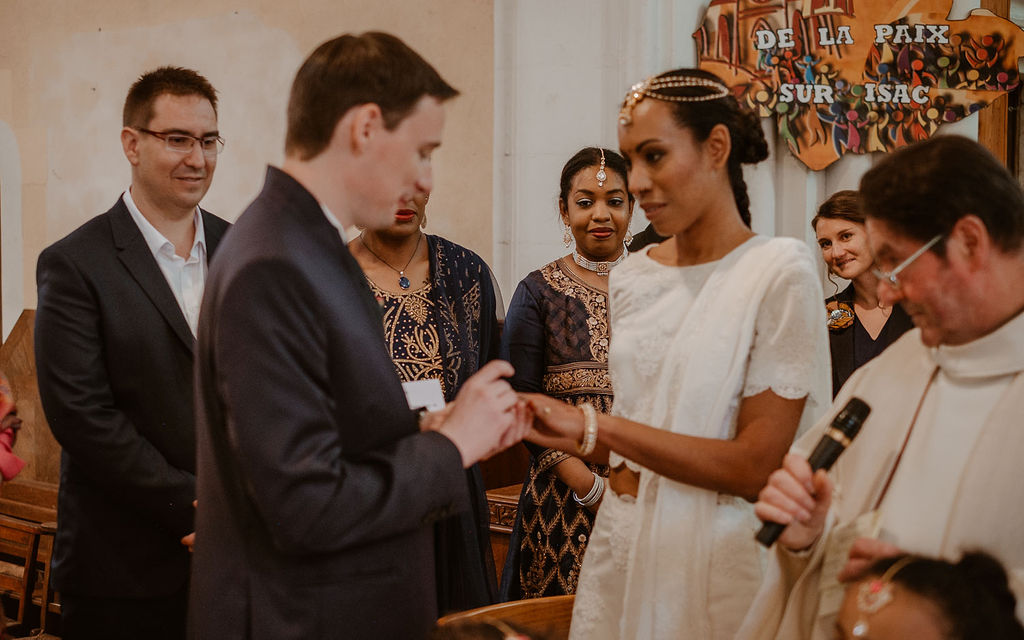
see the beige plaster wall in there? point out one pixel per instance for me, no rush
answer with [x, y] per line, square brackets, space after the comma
[65, 66]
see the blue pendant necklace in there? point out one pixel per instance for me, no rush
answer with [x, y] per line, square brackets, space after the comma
[402, 280]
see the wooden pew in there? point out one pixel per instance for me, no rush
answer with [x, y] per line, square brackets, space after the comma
[550, 616]
[28, 520]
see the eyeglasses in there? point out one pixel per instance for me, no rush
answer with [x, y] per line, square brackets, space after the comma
[184, 143]
[890, 277]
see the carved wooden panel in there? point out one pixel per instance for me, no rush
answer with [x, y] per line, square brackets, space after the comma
[502, 503]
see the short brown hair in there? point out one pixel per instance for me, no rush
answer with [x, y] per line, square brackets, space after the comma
[177, 81]
[352, 70]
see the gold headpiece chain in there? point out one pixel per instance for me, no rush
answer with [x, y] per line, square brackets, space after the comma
[653, 86]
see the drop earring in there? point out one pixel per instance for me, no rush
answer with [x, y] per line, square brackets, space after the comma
[628, 238]
[566, 236]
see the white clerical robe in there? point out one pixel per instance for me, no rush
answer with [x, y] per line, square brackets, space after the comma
[954, 489]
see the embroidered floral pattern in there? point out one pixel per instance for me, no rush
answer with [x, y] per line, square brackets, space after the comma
[460, 313]
[412, 339]
[576, 378]
[595, 302]
[434, 331]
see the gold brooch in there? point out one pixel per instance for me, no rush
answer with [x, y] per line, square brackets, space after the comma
[839, 315]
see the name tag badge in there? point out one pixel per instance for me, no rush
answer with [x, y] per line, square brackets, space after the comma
[424, 394]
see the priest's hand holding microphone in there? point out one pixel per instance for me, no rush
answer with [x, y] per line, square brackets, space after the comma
[796, 499]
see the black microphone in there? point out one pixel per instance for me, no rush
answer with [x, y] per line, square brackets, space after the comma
[837, 437]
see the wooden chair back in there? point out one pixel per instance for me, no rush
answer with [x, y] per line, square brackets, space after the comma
[550, 616]
[19, 544]
[28, 514]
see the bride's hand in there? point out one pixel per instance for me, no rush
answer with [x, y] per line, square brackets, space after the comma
[554, 417]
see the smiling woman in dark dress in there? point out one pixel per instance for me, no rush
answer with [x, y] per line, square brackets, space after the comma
[859, 326]
[556, 336]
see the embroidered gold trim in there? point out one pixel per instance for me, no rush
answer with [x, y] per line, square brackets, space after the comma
[550, 458]
[595, 302]
[577, 378]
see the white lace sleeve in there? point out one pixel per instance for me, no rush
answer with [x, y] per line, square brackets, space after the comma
[790, 350]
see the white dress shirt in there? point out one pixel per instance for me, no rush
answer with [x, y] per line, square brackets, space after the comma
[335, 222]
[186, 277]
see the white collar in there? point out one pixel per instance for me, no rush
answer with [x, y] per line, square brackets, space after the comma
[998, 353]
[334, 223]
[156, 240]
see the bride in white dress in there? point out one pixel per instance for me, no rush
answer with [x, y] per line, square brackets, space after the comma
[718, 356]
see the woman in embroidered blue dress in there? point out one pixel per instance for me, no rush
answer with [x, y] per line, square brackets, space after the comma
[440, 322]
[718, 355]
[556, 337]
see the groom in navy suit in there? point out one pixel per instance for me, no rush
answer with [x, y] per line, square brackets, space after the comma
[116, 323]
[318, 486]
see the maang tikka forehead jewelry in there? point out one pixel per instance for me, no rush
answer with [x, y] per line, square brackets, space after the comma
[601, 175]
[653, 87]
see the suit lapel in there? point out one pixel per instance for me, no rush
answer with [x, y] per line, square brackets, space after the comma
[308, 216]
[214, 229]
[134, 253]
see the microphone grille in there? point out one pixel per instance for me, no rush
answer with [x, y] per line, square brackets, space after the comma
[852, 416]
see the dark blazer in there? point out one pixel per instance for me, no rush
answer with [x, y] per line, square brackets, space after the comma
[114, 363]
[317, 491]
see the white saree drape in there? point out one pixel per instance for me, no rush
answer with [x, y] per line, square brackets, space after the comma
[693, 341]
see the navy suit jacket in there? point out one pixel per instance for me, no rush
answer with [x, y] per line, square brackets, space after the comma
[317, 491]
[114, 364]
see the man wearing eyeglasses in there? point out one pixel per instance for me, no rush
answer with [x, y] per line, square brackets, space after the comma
[115, 330]
[936, 468]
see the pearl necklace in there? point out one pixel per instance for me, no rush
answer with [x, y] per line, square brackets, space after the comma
[600, 268]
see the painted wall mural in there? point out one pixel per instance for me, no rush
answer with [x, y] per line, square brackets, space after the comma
[856, 76]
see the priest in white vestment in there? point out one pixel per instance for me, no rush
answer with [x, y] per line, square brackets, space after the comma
[937, 468]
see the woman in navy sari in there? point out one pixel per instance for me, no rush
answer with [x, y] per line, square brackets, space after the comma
[556, 336]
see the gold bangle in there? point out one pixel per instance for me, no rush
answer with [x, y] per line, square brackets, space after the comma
[588, 442]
